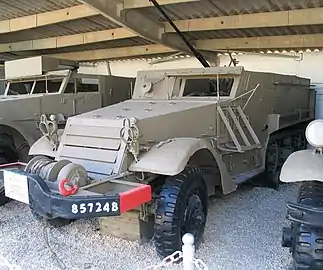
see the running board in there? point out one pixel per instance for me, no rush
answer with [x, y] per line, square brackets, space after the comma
[241, 178]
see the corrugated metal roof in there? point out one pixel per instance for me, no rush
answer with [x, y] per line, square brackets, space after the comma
[255, 32]
[94, 23]
[216, 8]
[10, 9]
[190, 10]
[6, 57]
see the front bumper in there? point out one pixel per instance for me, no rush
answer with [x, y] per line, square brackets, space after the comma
[43, 197]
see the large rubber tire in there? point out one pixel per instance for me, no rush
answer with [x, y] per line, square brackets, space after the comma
[179, 195]
[7, 155]
[307, 248]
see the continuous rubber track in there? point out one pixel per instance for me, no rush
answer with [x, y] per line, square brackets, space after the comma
[174, 196]
[308, 244]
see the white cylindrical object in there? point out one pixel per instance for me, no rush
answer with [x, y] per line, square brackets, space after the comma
[188, 250]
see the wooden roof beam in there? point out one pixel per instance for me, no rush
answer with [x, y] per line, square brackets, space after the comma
[68, 14]
[143, 26]
[115, 53]
[280, 18]
[68, 40]
[266, 42]
[46, 18]
[277, 42]
[310, 16]
[130, 4]
[258, 43]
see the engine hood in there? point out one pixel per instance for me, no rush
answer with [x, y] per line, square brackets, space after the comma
[143, 109]
[95, 141]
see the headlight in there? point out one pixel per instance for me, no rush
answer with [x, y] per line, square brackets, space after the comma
[314, 133]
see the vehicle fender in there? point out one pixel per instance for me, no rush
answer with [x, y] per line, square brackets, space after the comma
[28, 136]
[171, 157]
[303, 165]
[43, 147]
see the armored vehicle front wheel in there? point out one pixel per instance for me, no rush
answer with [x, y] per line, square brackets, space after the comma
[7, 155]
[306, 242]
[182, 208]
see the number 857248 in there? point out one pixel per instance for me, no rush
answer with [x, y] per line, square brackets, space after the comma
[94, 207]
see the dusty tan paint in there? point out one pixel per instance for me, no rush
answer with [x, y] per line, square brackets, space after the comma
[173, 128]
[31, 106]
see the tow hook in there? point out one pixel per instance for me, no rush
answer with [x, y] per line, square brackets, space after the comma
[67, 191]
[287, 239]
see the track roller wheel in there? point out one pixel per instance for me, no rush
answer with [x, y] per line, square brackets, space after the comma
[182, 208]
[307, 241]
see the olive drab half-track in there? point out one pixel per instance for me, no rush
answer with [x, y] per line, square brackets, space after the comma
[185, 134]
[38, 87]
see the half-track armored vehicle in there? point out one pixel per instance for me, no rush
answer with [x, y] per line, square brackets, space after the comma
[305, 234]
[40, 86]
[185, 135]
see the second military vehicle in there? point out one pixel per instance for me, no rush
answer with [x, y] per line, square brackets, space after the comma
[40, 86]
[304, 237]
[185, 135]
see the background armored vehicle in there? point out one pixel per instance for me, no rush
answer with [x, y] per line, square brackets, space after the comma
[42, 85]
[185, 135]
[304, 236]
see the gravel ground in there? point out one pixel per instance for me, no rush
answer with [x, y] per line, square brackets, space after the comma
[243, 232]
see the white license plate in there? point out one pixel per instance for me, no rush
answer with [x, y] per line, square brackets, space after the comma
[16, 186]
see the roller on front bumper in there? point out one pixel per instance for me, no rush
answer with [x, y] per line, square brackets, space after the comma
[45, 199]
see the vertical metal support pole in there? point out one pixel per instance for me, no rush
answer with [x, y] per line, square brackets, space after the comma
[7, 89]
[188, 250]
[109, 68]
[33, 87]
[46, 85]
[218, 86]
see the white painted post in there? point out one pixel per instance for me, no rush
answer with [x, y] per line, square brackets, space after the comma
[188, 250]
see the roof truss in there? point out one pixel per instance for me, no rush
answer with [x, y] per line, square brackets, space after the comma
[133, 24]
